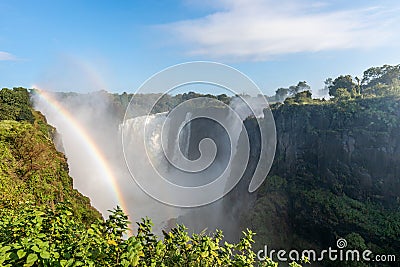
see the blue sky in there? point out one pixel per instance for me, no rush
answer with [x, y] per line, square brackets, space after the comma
[116, 45]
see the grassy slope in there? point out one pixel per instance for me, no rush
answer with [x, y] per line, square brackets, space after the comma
[31, 169]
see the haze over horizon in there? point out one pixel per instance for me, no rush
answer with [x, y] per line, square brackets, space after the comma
[89, 46]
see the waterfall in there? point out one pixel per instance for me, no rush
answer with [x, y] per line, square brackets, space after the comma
[185, 135]
[135, 136]
[143, 138]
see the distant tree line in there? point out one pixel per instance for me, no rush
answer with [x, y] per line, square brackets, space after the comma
[376, 81]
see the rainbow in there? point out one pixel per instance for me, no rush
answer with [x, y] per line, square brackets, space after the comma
[91, 146]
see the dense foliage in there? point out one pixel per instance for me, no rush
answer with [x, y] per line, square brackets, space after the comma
[31, 169]
[382, 80]
[15, 105]
[39, 236]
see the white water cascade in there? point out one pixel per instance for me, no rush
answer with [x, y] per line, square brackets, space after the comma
[99, 125]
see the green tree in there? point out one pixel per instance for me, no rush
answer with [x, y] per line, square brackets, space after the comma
[15, 105]
[343, 81]
[381, 80]
[303, 96]
[342, 94]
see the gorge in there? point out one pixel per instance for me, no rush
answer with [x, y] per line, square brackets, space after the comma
[335, 174]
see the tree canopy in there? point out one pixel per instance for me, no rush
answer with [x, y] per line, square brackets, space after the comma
[15, 105]
[345, 82]
[381, 80]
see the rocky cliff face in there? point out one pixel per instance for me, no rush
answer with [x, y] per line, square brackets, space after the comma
[352, 150]
[336, 174]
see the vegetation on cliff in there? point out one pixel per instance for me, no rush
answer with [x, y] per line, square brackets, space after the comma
[31, 169]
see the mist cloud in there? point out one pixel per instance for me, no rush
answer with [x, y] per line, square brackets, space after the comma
[258, 30]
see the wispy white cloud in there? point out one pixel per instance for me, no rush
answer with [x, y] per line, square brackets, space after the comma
[261, 29]
[6, 56]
